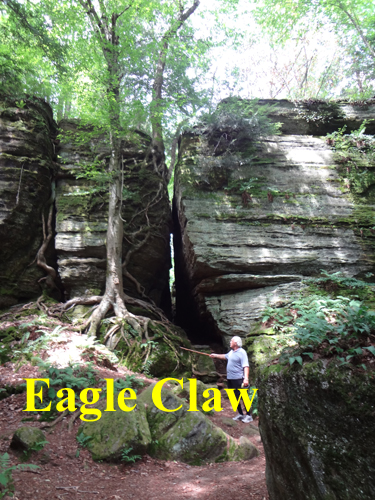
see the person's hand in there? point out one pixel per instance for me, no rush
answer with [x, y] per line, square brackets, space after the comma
[213, 355]
[245, 382]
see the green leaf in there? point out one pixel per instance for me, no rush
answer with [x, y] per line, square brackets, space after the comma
[292, 360]
[4, 479]
[51, 393]
[299, 360]
[371, 348]
[310, 354]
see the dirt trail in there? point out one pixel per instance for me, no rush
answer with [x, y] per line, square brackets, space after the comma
[63, 475]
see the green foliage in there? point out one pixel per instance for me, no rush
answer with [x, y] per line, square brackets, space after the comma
[128, 457]
[236, 122]
[351, 20]
[6, 480]
[83, 440]
[76, 377]
[254, 406]
[338, 327]
[338, 283]
[328, 325]
[34, 447]
[355, 153]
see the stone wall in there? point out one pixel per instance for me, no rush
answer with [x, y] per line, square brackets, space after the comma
[234, 257]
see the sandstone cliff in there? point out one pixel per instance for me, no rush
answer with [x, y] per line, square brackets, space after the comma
[27, 168]
[37, 170]
[234, 256]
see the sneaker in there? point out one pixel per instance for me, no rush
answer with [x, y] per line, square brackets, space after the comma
[238, 417]
[247, 419]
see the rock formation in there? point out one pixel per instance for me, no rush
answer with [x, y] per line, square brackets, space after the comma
[81, 226]
[27, 132]
[317, 431]
[235, 256]
[249, 228]
[37, 170]
[187, 436]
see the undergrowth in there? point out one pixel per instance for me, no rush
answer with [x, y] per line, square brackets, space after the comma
[328, 325]
[355, 154]
[6, 480]
[78, 378]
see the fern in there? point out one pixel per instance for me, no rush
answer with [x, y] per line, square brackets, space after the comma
[6, 480]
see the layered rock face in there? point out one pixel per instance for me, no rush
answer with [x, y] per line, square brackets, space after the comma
[250, 227]
[235, 255]
[27, 166]
[35, 172]
[81, 220]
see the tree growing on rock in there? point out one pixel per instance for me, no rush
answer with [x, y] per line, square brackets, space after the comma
[124, 50]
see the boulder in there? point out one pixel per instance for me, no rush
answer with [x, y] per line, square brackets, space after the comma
[189, 436]
[316, 424]
[117, 431]
[28, 439]
[185, 392]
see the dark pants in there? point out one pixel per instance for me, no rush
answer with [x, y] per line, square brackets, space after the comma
[236, 384]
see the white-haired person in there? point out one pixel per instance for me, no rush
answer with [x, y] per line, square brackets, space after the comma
[237, 373]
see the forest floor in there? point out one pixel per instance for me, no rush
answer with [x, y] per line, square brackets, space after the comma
[67, 471]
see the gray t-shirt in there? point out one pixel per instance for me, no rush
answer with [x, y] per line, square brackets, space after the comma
[237, 360]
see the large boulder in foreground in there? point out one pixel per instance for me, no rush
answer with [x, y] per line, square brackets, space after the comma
[189, 436]
[317, 426]
[117, 431]
[182, 435]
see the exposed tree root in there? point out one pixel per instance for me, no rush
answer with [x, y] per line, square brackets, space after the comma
[96, 299]
[56, 421]
[73, 419]
[50, 279]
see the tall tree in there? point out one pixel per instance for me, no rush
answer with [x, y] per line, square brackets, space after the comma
[123, 55]
[108, 23]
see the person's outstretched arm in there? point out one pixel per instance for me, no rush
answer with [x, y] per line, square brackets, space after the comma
[218, 356]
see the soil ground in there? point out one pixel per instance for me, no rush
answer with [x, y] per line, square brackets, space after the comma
[63, 475]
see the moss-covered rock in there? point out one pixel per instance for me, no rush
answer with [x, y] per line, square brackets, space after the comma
[116, 431]
[204, 366]
[317, 430]
[185, 392]
[245, 450]
[188, 436]
[28, 439]
[160, 357]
